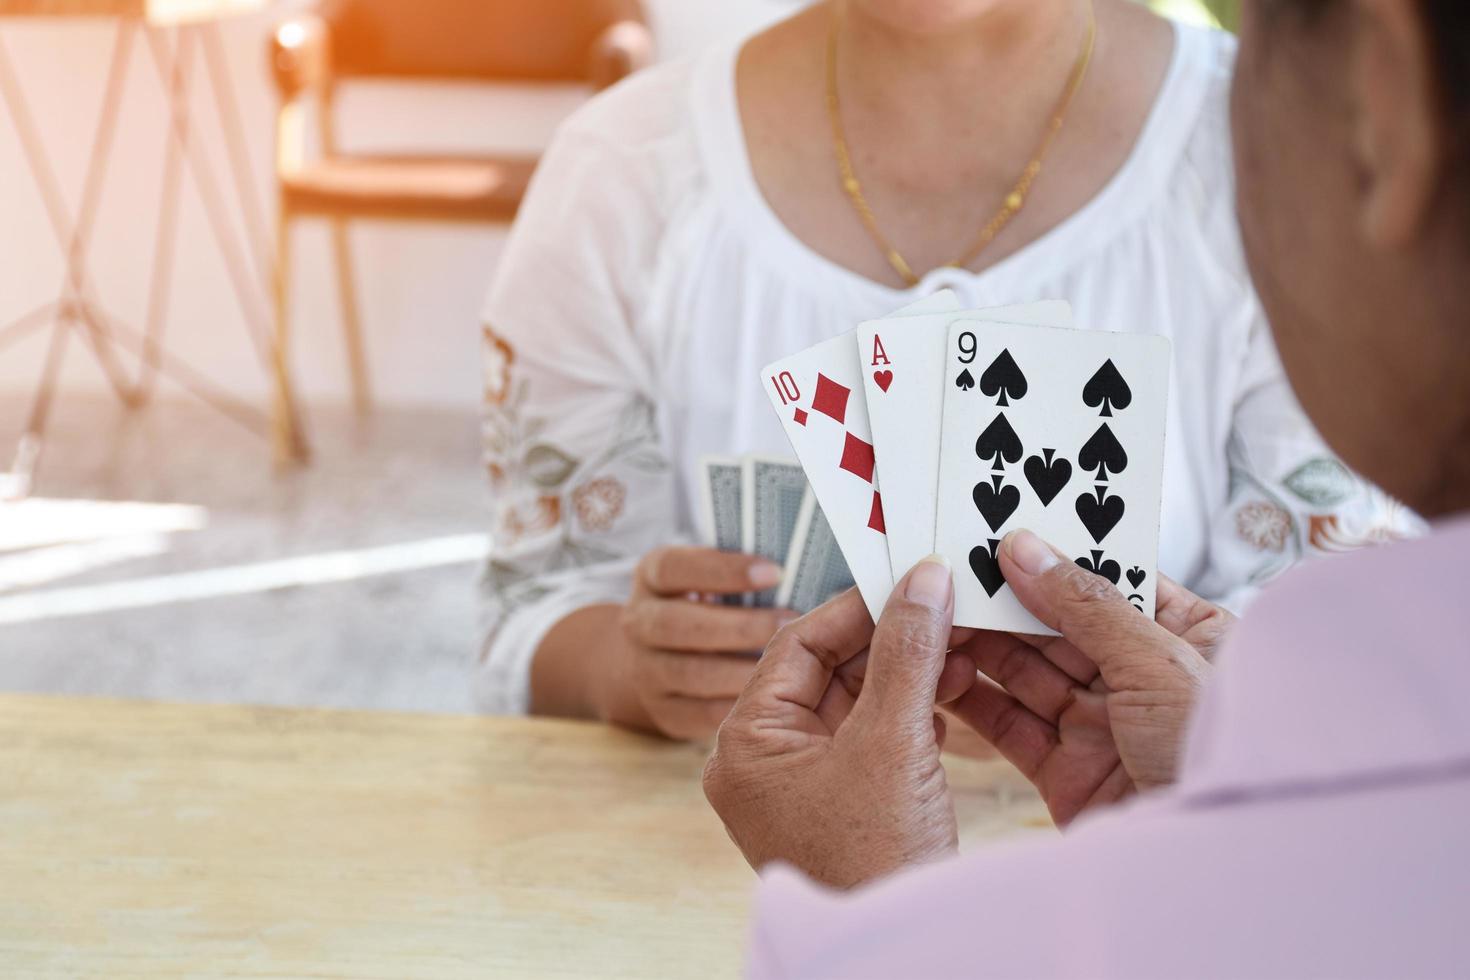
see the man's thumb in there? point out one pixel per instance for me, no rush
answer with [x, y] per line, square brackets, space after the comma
[909, 646]
[1082, 606]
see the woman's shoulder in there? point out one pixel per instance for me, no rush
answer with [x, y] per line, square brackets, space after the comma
[635, 148]
[1176, 188]
[646, 111]
[1210, 49]
[616, 172]
[1189, 169]
[1206, 62]
[623, 159]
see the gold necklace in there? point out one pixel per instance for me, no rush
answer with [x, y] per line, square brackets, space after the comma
[1013, 202]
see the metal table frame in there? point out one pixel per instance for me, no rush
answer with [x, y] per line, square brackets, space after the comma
[77, 310]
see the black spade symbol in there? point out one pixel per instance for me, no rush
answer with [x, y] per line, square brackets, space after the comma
[1109, 569]
[1047, 476]
[1136, 576]
[1103, 453]
[1003, 378]
[987, 568]
[965, 381]
[1100, 514]
[1107, 389]
[999, 441]
[996, 504]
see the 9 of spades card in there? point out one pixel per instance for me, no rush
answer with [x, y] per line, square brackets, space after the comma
[1060, 432]
[904, 374]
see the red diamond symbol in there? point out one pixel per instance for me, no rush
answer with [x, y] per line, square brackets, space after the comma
[800, 416]
[831, 398]
[875, 516]
[857, 457]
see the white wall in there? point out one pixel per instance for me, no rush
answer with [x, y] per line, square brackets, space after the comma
[419, 286]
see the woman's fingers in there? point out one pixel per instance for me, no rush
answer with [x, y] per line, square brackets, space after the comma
[694, 718]
[681, 624]
[681, 571]
[688, 675]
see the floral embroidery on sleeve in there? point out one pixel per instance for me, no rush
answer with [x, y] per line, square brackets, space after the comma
[554, 508]
[1320, 506]
[1265, 526]
[599, 502]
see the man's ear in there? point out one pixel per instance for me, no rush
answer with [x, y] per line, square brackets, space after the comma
[1399, 135]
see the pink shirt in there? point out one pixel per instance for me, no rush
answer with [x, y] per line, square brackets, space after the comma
[1318, 827]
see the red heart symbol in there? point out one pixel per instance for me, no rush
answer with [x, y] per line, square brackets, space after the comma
[883, 378]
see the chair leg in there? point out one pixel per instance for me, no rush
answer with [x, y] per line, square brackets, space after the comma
[362, 395]
[286, 435]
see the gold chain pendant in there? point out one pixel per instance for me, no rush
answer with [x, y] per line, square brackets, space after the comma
[1014, 201]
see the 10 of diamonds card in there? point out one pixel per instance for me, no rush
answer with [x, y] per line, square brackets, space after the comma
[818, 395]
[1060, 432]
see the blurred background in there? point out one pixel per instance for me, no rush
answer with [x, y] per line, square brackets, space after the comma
[189, 548]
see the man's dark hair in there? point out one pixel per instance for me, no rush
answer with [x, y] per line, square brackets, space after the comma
[1449, 21]
[1449, 27]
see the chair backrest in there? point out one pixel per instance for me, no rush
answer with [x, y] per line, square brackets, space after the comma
[486, 40]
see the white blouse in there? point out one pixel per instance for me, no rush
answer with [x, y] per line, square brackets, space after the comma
[647, 281]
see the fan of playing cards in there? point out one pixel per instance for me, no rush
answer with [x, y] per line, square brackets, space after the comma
[941, 431]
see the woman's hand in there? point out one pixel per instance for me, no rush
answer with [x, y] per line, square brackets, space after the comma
[830, 759]
[683, 659]
[1099, 712]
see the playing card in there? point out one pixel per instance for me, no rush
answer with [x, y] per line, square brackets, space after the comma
[815, 569]
[720, 505]
[771, 493]
[721, 518]
[818, 395]
[904, 377]
[1060, 432]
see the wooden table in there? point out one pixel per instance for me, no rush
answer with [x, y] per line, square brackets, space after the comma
[146, 840]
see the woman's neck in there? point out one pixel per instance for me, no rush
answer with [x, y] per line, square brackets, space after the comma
[887, 70]
[940, 119]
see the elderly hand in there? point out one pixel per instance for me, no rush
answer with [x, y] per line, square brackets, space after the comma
[683, 660]
[1100, 711]
[830, 759]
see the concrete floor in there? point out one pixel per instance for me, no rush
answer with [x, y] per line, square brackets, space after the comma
[349, 583]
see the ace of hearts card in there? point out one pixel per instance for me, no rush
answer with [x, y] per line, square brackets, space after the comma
[1060, 432]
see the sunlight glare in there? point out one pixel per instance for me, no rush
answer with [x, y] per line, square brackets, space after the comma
[318, 569]
[38, 521]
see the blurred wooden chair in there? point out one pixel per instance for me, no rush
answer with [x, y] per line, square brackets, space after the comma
[592, 41]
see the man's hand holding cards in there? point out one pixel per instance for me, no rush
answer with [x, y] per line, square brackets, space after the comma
[944, 432]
